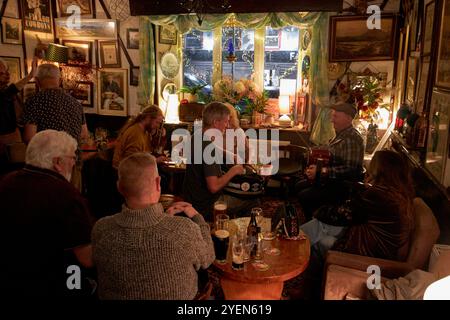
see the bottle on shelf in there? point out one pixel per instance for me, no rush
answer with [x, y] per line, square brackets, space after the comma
[420, 131]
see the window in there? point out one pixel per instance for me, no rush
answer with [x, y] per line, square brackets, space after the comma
[240, 43]
[280, 57]
[197, 59]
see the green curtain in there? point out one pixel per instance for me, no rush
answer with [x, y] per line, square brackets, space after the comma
[321, 132]
[146, 88]
[323, 129]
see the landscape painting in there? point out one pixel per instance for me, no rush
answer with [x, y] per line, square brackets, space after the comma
[352, 40]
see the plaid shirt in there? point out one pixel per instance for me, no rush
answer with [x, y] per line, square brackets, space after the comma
[347, 149]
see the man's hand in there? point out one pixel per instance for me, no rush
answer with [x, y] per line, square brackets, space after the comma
[161, 159]
[237, 169]
[311, 172]
[181, 206]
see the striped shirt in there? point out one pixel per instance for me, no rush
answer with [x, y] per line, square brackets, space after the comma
[347, 149]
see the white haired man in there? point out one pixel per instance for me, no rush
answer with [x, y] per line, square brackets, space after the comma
[45, 220]
[143, 252]
[52, 108]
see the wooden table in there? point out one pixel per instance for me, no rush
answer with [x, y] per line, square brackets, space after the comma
[251, 284]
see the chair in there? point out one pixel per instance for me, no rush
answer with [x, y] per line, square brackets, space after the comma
[291, 162]
[346, 274]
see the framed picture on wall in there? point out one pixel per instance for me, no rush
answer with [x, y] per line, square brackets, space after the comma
[37, 15]
[132, 38]
[90, 29]
[411, 79]
[443, 60]
[168, 34]
[11, 30]
[109, 54]
[428, 28]
[112, 92]
[80, 52]
[134, 76]
[438, 134]
[65, 9]
[84, 93]
[351, 40]
[13, 65]
[422, 81]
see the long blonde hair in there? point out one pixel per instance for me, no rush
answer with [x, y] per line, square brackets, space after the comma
[234, 120]
[152, 111]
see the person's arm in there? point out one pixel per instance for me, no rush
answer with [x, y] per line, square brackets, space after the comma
[29, 131]
[84, 255]
[216, 183]
[22, 82]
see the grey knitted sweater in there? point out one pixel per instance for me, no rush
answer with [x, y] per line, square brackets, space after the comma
[147, 254]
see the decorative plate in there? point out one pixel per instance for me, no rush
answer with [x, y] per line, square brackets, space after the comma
[169, 65]
[335, 70]
[306, 39]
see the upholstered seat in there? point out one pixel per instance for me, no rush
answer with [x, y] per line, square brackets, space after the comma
[346, 274]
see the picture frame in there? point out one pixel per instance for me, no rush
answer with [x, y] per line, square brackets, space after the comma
[84, 5]
[109, 54]
[422, 81]
[134, 76]
[84, 93]
[90, 29]
[14, 67]
[411, 79]
[37, 15]
[351, 40]
[80, 52]
[112, 93]
[132, 38]
[272, 39]
[438, 136]
[11, 30]
[28, 91]
[168, 34]
[428, 28]
[443, 58]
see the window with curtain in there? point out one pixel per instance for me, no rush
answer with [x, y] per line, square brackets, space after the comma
[239, 42]
[197, 59]
[280, 57]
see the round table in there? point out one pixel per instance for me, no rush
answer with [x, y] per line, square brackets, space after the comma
[252, 284]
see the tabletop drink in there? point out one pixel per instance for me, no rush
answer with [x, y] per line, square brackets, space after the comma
[238, 254]
[220, 207]
[221, 237]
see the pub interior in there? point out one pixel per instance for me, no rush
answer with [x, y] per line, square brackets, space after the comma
[299, 149]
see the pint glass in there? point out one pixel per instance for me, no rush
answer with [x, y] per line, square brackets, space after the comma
[221, 237]
[220, 207]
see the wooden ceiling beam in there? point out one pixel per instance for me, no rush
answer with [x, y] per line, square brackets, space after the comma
[164, 7]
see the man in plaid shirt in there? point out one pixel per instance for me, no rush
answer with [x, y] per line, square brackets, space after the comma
[346, 164]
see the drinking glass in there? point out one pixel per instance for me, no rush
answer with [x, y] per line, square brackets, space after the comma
[220, 207]
[221, 237]
[237, 250]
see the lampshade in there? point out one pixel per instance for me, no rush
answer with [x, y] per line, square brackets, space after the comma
[283, 102]
[172, 109]
[57, 53]
[288, 87]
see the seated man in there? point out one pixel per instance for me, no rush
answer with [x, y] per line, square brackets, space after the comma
[143, 252]
[204, 181]
[44, 218]
[347, 155]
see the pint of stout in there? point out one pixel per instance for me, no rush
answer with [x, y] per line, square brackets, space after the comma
[221, 238]
[220, 207]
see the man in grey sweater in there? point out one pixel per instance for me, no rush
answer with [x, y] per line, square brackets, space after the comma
[143, 252]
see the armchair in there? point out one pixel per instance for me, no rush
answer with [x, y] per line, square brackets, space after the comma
[345, 274]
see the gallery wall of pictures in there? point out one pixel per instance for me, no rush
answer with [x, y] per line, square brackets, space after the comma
[426, 85]
[106, 40]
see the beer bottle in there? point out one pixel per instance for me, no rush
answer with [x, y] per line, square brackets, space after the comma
[252, 233]
[291, 220]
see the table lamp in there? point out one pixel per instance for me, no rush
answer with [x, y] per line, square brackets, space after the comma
[57, 53]
[172, 109]
[283, 102]
[289, 87]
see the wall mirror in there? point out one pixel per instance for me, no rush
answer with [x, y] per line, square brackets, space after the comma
[170, 65]
[167, 89]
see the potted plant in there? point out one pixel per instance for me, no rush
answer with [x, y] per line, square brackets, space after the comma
[192, 92]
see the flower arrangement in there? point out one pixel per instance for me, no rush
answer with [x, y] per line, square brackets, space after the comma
[367, 95]
[244, 94]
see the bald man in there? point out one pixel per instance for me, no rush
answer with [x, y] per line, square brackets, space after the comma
[146, 253]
